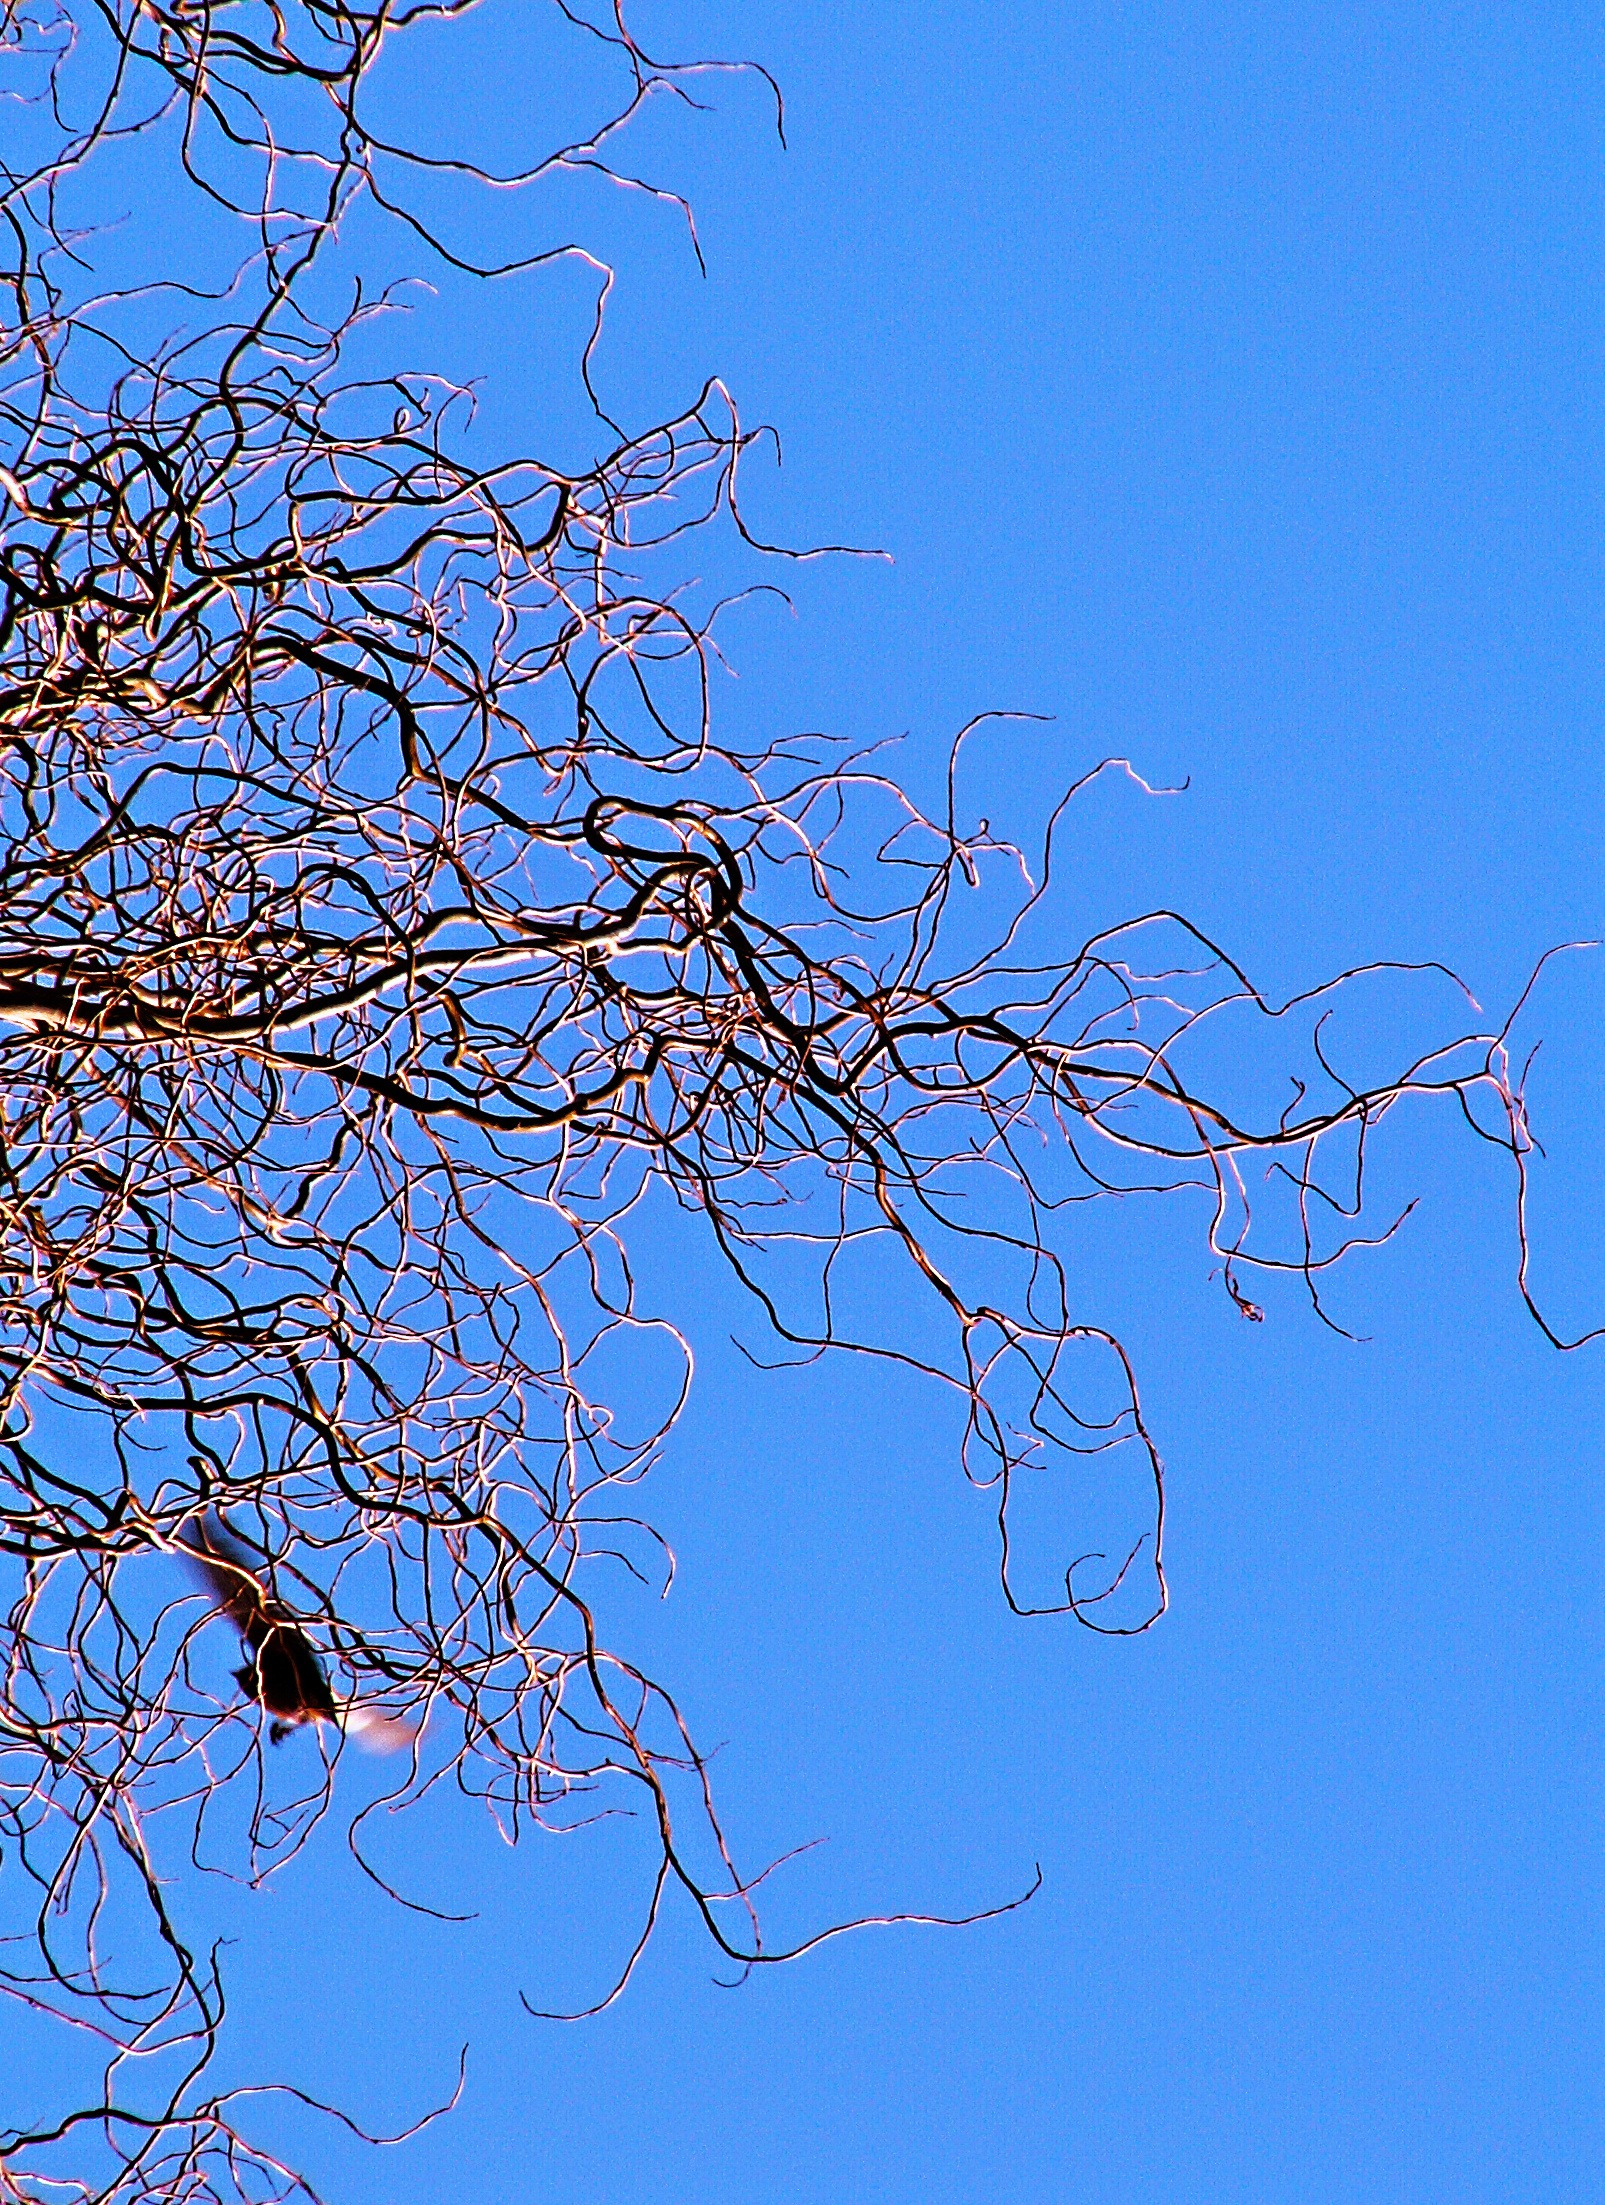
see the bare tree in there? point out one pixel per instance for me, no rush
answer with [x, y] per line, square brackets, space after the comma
[386, 929]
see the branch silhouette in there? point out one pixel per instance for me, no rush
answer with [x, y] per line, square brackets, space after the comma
[388, 931]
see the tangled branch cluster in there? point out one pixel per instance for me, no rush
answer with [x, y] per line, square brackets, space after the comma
[387, 934]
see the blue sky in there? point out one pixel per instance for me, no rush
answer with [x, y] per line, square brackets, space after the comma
[1225, 383]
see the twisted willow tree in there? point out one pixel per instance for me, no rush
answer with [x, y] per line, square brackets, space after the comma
[386, 931]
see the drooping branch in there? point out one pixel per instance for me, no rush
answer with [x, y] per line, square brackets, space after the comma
[387, 931]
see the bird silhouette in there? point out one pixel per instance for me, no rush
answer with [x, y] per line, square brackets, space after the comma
[284, 1675]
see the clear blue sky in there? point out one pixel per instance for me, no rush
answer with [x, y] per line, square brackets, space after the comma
[1226, 382]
